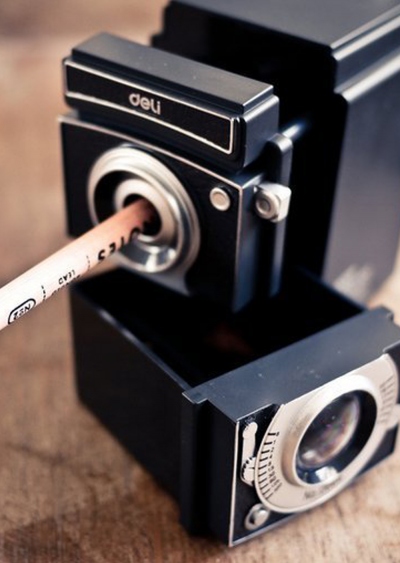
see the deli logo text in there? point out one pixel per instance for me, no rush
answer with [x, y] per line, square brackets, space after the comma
[146, 104]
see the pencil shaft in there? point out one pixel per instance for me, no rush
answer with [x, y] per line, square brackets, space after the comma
[70, 262]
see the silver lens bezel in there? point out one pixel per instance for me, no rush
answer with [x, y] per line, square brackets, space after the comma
[277, 482]
[177, 244]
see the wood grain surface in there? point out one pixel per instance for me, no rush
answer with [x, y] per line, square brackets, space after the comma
[68, 491]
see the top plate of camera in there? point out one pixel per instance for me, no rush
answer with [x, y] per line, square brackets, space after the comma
[217, 115]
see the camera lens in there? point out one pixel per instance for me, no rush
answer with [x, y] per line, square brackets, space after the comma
[125, 173]
[335, 437]
[330, 432]
[317, 443]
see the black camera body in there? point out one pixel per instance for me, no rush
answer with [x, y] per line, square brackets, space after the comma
[217, 408]
[129, 98]
[336, 72]
[229, 357]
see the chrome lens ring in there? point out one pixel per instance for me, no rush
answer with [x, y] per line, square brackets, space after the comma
[281, 482]
[335, 436]
[335, 462]
[124, 173]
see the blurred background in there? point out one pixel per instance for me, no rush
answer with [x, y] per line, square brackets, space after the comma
[68, 492]
[44, 19]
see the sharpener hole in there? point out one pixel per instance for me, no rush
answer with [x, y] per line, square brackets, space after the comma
[172, 239]
[152, 227]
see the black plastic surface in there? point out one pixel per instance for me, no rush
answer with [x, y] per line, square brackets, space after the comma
[336, 69]
[138, 347]
[324, 22]
[217, 115]
[201, 341]
[155, 368]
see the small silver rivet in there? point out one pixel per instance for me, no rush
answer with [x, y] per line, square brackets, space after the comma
[220, 199]
[256, 517]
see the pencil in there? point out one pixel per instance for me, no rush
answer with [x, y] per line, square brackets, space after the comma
[65, 266]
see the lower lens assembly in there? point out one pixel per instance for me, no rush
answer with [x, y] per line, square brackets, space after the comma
[319, 442]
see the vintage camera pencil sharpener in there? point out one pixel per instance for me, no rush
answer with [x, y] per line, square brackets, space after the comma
[231, 353]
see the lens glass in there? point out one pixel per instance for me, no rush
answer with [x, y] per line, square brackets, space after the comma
[330, 432]
[335, 437]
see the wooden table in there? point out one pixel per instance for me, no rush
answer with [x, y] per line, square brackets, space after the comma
[68, 491]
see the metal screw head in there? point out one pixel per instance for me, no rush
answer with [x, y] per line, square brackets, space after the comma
[272, 201]
[267, 205]
[220, 199]
[256, 517]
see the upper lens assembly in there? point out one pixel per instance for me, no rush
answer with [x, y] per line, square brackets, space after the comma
[125, 173]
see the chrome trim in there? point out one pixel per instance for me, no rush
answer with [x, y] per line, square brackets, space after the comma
[178, 241]
[276, 481]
